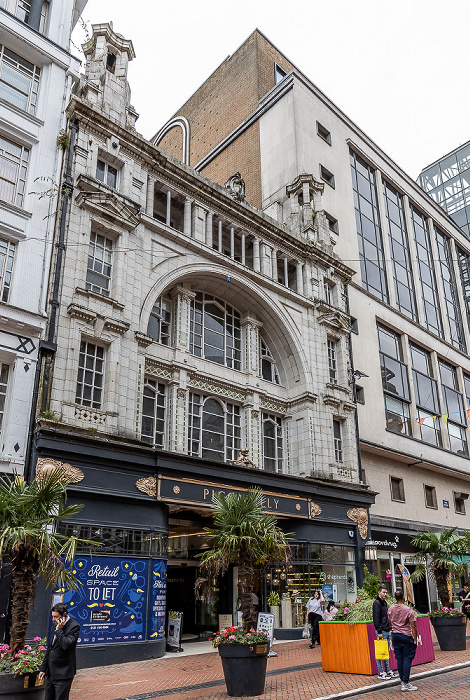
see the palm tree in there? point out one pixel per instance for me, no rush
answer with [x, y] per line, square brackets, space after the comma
[29, 513]
[440, 554]
[243, 534]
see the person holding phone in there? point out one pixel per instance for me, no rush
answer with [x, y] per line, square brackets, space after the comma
[59, 665]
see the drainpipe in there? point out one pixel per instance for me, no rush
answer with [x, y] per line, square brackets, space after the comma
[48, 347]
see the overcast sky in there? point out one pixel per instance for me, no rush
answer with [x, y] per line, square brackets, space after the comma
[399, 70]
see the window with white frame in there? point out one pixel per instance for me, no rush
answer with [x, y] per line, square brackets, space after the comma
[338, 441]
[159, 326]
[214, 428]
[332, 361]
[267, 365]
[19, 80]
[90, 375]
[13, 166]
[153, 413]
[215, 331]
[23, 8]
[106, 173]
[4, 375]
[328, 291]
[100, 257]
[7, 258]
[273, 443]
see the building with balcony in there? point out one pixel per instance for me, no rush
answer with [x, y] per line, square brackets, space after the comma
[202, 346]
[36, 73]
[408, 297]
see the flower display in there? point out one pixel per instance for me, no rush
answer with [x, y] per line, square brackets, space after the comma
[443, 611]
[237, 635]
[25, 660]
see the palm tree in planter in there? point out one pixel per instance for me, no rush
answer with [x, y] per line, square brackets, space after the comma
[29, 513]
[441, 554]
[245, 535]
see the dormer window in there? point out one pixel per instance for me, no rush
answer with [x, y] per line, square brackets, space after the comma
[107, 174]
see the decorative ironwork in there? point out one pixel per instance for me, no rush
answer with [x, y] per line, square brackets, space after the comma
[360, 516]
[71, 475]
[147, 485]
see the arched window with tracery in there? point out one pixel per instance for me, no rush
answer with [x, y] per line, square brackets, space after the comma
[214, 428]
[267, 364]
[153, 413]
[215, 331]
[159, 325]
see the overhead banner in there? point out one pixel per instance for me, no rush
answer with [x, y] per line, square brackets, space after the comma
[111, 604]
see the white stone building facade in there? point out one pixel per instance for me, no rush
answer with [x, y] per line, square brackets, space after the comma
[36, 74]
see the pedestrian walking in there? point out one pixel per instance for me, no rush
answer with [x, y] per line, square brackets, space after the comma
[382, 630]
[464, 597]
[404, 638]
[59, 665]
[314, 615]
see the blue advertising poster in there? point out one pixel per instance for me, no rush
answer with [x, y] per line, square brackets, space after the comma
[111, 605]
[157, 602]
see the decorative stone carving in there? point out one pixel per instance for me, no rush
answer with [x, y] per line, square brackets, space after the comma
[143, 340]
[72, 475]
[243, 459]
[235, 186]
[113, 207]
[80, 312]
[359, 516]
[313, 509]
[116, 326]
[335, 320]
[147, 485]
[181, 393]
[90, 415]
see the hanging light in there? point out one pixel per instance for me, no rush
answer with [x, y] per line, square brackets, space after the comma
[370, 551]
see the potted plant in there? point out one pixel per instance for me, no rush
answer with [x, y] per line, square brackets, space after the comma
[29, 513]
[441, 555]
[245, 535]
[274, 602]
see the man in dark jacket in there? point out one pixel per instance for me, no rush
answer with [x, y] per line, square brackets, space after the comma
[59, 665]
[382, 629]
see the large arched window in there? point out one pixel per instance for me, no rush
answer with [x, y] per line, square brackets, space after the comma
[214, 428]
[153, 413]
[160, 321]
[273, 447]
[267, 365]
[215, 331]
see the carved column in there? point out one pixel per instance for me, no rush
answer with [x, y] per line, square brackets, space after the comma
[274, 264]
[181, 421]
[286, 272]
[299, 280]
[219, 237]
[251, 335]
[243, 248]
[183, 316]
[187, 217]
[168, 208]
[256, 255]
[150, 195]
[209, 224]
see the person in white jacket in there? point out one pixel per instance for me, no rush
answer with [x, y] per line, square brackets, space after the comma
[314, 615]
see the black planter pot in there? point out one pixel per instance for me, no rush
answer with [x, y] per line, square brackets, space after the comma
[244, 668]
[21, 687]
[451, 632]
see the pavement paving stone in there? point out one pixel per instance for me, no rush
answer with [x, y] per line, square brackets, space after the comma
[295, 674]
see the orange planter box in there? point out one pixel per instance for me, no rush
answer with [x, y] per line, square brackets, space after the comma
[345, 648]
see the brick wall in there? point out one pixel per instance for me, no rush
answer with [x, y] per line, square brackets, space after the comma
[223, 102]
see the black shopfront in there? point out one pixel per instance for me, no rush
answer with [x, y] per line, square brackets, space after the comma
[149, 509]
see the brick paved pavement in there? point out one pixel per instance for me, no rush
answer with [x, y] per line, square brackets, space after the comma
[451, 686]
[296, 674]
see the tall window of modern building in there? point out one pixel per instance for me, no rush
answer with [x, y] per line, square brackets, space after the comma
[426, 272]
[159, 325]
[454, 412]
[153, 413]
[369, 234]
[400, 252]
[267, 365]
[19, 81]
[332, 361]
[215, 331]
[273, 443]
[4, 375]
[100, 256]
[7, 258]
[464, 267]
[214, 428]
[394, 382]
[338, 441]
[426, 396]
[13, 166]
[450, 291]
[90, 375]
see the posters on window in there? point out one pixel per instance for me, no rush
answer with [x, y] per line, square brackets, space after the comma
[157, 602]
